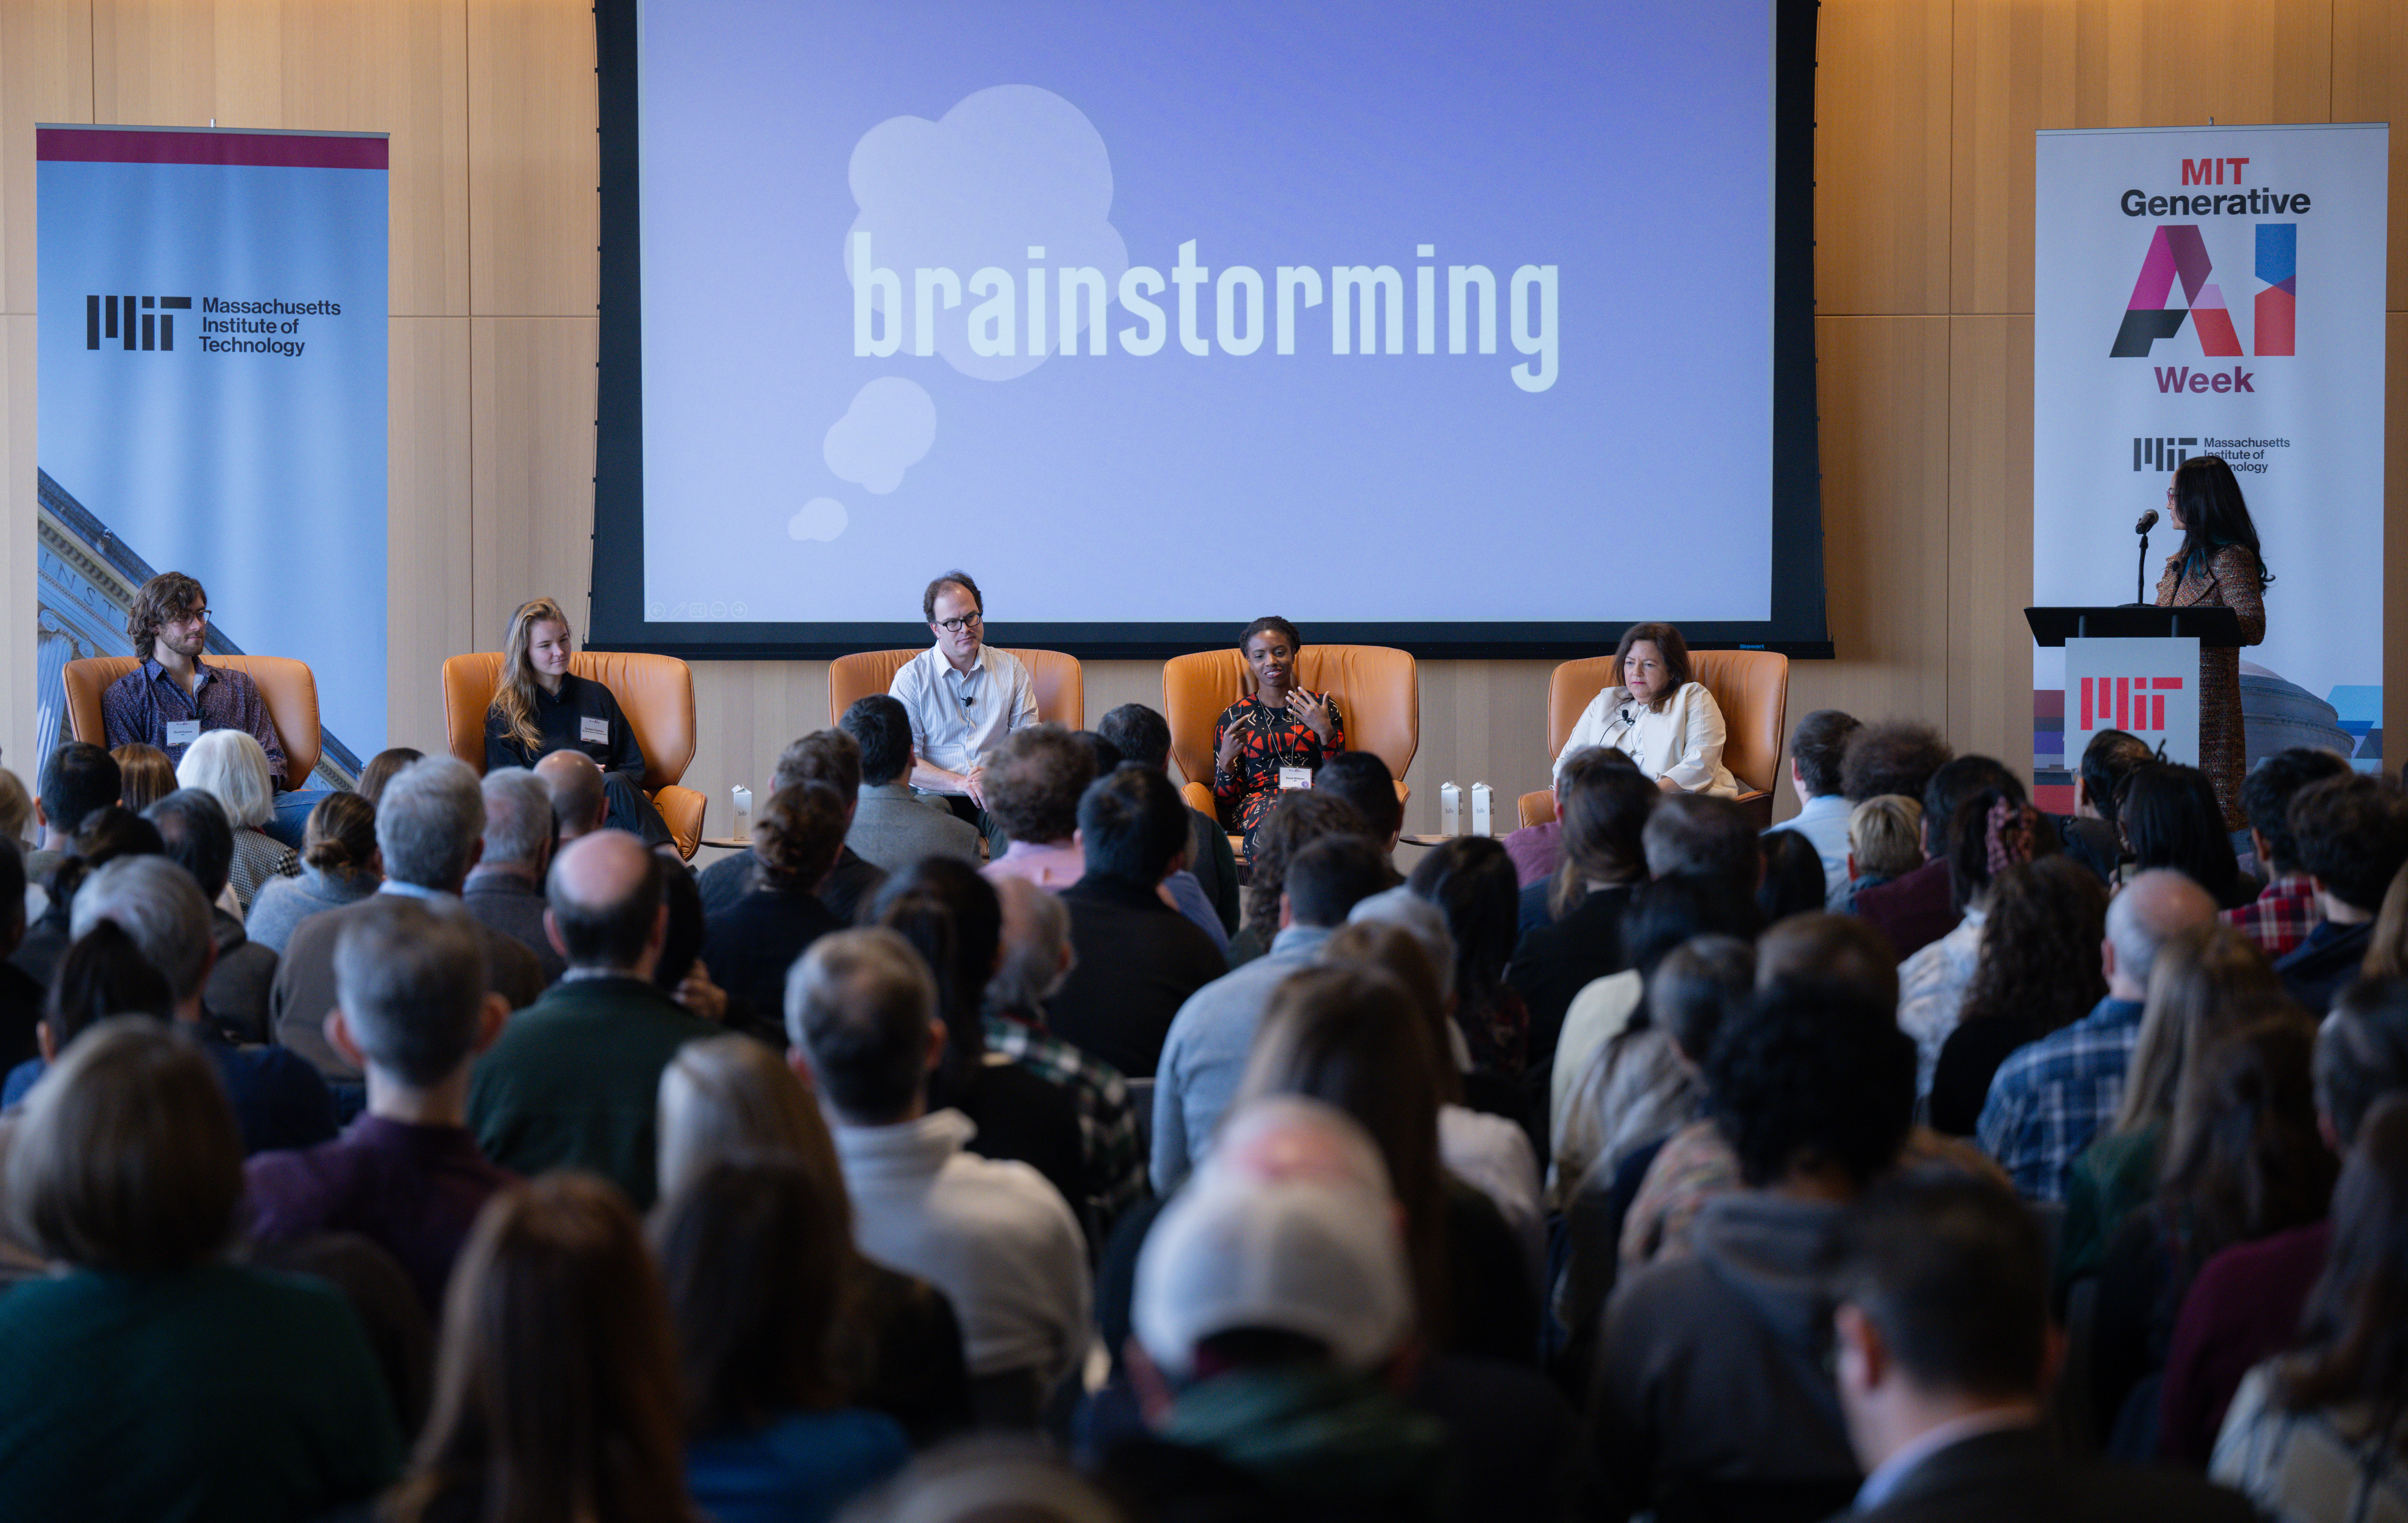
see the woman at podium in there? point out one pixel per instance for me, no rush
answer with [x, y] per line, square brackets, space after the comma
[2216, 566]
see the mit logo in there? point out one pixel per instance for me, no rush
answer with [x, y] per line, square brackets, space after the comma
[2129, 703]
[101, 320]
[2160, 454]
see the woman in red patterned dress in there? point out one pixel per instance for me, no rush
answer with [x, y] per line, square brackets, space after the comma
[1280, 726]
[2218, 564]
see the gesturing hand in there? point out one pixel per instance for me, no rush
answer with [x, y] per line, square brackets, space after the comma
[1231, 742]
[1314, 711]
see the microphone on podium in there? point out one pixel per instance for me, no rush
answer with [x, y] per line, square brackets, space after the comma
[2148, 520]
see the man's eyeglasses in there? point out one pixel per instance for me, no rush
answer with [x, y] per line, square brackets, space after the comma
[954, 626]
[195, 616]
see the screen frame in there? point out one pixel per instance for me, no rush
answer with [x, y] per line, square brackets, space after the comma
[1798, 625]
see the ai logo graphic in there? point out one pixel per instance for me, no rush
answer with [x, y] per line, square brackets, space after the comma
[103, 319]
[2176, 250]
[2162, 454]
[2137, 704]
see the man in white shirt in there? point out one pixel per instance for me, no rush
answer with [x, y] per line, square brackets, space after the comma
[963, 698]
[1815, 747]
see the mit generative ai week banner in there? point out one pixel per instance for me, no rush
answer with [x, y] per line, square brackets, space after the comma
[2217, 290]
[212, 398]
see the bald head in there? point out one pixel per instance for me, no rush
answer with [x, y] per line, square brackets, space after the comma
[606, 908]
[1279, 1138]
[2152, 909]
[576, 800]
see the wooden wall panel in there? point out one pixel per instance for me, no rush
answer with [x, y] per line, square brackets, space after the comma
[1989, 536]
[1882, 99]
[2167, 63]
[2013, 74]
[428, 545]
[534, 211]
[2369, 83]
[45, 75]
[532, 388]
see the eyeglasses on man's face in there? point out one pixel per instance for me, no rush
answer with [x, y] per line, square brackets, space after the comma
[954, 626]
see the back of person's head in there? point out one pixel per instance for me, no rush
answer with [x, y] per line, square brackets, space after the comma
[161, 907]
[1701, 836]
[824, 756]
[519, 827]
[430, 822]
[1793, 881]
[103, 973]
[2352, 833]
[340, 836]
[1696, 986]
[2207, 981]
[2243, 1158]
[1604, 805]
[2146, 913]
[1300, 818]
[108, 833]
[1102, 752]
[410, 980]
[145, 776]
[16, 809]
[1988, 833]
[1036, 955]
[1132, 826]
[604, 899]
[580, 794]
[2106, 761]
[230, 765]
[78, 778]
[382, 767]
[859, 1005]
[1034, 783]
[1142, 735]
[882, 727]
[1394, 948]
[1965, 778]
[1828, 948]
[1951, 1272]
[2354, 1335]
[2267, 792]
[687, 925]
[1819, 745]
[986, 1480]
[556, 1378]
[1891, 756]
[753, 1251]
[1885, 835]
[1363, 780]
[2361, 1054]
[1813, 1076]
[127, 1159]
[2170, 818]
[198, 836]
[961, 948]
[1331, 876]
[1665, 912]
[722, 1097]
[1470, 878]
[799, 834]
[2039, 957]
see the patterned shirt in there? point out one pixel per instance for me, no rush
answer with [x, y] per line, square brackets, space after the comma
[139, 706]
[2280, 919]
[1107, 1134]
[1269, 740]
[2051, 1099]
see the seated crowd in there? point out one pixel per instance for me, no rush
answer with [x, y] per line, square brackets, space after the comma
[991, 1139]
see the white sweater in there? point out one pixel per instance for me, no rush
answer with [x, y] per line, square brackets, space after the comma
[1684, 742]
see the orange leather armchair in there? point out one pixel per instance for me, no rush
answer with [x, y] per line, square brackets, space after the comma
[1750, 687]
[1060, 680]
[1377, 690]
[288, 687]
[655, 691]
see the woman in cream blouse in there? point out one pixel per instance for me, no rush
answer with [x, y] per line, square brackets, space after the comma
[1658, 714]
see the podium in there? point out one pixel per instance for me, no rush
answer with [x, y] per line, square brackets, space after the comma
[2133, 668]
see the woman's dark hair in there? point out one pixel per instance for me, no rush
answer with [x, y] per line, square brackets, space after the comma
[1988, 834]
[1694, 989]
[799, 836]
[1793, 876]
[382, 767]
[754, 1253]
[2354, 1335]
[2106, 761]
[2361, 1053]
[1300, 818]
[1891, 756]
[103, 973]
[2170, 818]
[1668, 644]
[1268, 624]
[2214, 514]
[1472, 881]
[340, 836]
[688, 925]
[107, 833]
[145, 776]
[2040, 947]
[954, 918]
[1813, 1073]
[1603, 803]
[2244, 1158]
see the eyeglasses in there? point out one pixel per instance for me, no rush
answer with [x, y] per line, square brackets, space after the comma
[954, 626]
[197, 616]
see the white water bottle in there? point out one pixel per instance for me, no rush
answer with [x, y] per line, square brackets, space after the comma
[742, 797]
[1449, 809]
[1483, 799]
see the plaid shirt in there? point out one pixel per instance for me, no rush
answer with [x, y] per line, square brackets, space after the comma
[2054, 1097]
[1115, 1154]
[2279, 920]
[137, 706]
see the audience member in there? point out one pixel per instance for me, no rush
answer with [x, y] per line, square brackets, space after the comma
[339, 865]
[893, 826]
[78, 779]
[573, 1080]
[145, 776]
[1300, 818]
[148, 1376]
[382, 767]
[1884, 842]
[977, 1479]
[2051, 1098]
[832, 757]
[504, 892]
[229, 766]
[103, 975]
[1891, 757]
[2092, 835]
[200, 839]
[1362, 779]
[21, 992]
[1792, 879]
[1818, 745]
[680, 974]
[557, 1380]
[1988, 834]
[1472, 881]
[2170, 818]
[753, 1253]
[412, 1012]
[580, 799]
[1827, 949]
[2038, 971]
[751, 944]
[1538, 851]
[1001, 1242]
[15, 811]
[1605, 811]
[1917, 908]
[2281, 916]
[2352, 837]
[1138, 958]
[429, 828]
[1143, 737]
[1033, 787]
[108, 833]
[1945, 1360]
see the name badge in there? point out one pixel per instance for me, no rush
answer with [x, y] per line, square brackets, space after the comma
[1295, 778]
[183, 731]
[593, 731]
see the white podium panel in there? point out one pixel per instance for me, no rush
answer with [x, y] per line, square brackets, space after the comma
[2148, 687]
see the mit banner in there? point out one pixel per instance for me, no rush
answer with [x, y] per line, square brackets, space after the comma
[2215, 290]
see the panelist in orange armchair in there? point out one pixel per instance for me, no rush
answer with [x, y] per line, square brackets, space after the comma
[1657, 714]
[1275, 739]
[540, 707]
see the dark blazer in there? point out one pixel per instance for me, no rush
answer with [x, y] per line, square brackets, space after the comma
[1553, 963]
[2017, 1476]
[1138, 960]
[303, 989]
[1913, 909]
[506, 901]
[748, 945]
[2326, 963]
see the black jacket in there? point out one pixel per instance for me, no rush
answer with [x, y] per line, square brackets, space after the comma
[2017, 1476]
[1138, 960]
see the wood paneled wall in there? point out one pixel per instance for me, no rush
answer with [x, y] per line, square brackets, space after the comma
[1922, 278]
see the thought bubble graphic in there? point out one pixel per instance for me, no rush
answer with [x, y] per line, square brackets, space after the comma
[1009, 171]
[889, 427]
[822, 518]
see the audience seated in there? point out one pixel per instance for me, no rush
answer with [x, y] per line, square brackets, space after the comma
[21, 992]
[78, 780]
[430, 828]
[895, 827]
[2170, 818]
[2036, 972]
[108, 833]
[1144, 737]
[1606, 806]
[199, 839]
[2281, 916]
[504, 892]
[1139, 958]
[2093, 836]
[752, 943]
[832, 757]
[1918, 908]
[1884, 842]
[557, 1383]
[1361, 778]
[145, 775]
[381, 769]
[680, 974]
[230, 766]
[1891, 757]
[149, 1376]
[580, 800]
[2352, 837]
[572, 1082]
[412, 1011]
[1987, 834]
[1205, 1052]
[1472, 881]
[1001, 1242]
[1792, 876]
[103, 973]
[2052, 1098]
[1818, 744]
[1032, 791]
[1298, 820]
[339, 865]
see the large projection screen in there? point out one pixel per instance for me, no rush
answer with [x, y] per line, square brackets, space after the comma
[1477, 331]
